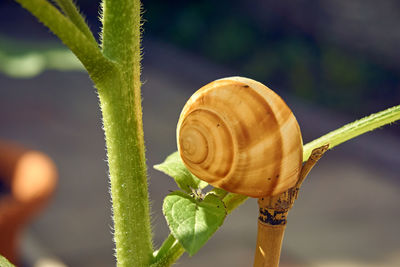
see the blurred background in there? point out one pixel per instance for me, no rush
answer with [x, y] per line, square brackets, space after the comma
[332, 61]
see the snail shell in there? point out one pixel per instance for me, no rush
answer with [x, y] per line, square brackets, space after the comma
[237, 134]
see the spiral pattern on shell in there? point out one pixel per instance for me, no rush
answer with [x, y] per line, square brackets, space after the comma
[237, 134]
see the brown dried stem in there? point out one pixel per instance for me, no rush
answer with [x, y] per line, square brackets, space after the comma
[273, 212]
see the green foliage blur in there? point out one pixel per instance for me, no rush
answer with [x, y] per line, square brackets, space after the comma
[280, 55]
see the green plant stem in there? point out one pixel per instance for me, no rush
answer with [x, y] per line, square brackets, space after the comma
[334, 138]
[132, 232]
[232, 201]
[98, 66]
[116, 74]
[221, 193]
[354, 129]
[120, 101]
[71, 10]
[169, 253]
[5, 263]
[168, 243]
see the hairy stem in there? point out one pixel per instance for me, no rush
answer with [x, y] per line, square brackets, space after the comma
[99, 67]
[71, 10]
[116, 74]
[122, 115]
[354, 129]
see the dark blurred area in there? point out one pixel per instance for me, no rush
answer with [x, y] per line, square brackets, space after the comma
[332, 61]
[322, 51]
[338, 54]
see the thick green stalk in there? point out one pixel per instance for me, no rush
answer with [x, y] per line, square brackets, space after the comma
[116, 74]
[132, 232]
[99, 67]
[122, 115]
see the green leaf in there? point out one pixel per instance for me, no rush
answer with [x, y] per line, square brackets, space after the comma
[192, 222]
[4, 262]
[174, 167]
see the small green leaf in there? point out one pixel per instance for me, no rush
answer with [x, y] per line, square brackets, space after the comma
[4, 262]
[192, 222]
[174, 167]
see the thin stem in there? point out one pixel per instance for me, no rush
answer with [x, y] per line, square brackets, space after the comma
[99, 67]
[169, 252]
[315, 156]
[71, 10]
[168, 243]
[120, 101]
[168, 256]
[354, 129]
[232, 201]
[221, 193]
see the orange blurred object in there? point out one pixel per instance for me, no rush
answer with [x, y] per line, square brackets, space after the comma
[31, 178]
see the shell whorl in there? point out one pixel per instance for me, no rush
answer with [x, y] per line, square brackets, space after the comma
[237, 134]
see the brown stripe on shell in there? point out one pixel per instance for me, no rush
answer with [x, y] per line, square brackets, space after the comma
[255, 122]
[260, 123]
[293, 150]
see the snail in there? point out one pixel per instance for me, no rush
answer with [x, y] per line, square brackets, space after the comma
[237, 134]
